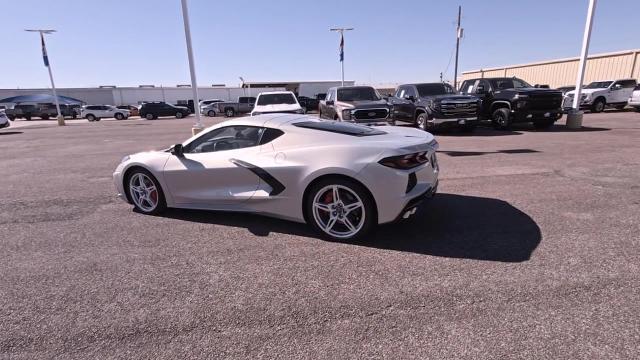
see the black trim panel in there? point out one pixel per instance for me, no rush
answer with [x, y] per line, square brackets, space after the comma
[276, 186]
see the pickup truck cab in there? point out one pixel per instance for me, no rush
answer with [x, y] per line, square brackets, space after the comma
[242, 106]
[634, 99]
[511, 100]
[431, 106]
[601, 94]
[359, 104]
[277, 102]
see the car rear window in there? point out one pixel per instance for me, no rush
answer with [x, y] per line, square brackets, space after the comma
[340, 128]
[273, 99]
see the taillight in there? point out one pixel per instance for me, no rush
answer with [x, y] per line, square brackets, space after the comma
[404, 162]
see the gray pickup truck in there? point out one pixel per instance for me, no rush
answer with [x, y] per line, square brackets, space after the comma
[43, 111]
[242, 106]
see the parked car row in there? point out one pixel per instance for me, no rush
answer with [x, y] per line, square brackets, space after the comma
[599, 95]
[43, 111]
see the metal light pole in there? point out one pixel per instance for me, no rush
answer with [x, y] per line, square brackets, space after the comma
[45, 57]
[341, 30]
[574, 117]
[197, 127]
[458, 36]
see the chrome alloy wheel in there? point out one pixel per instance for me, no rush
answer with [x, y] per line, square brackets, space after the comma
[143, 192]
[338, 211]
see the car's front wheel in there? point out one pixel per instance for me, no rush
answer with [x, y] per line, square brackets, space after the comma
[598, 105]
[119, 116]
[421, 121]
[340, 209]
[501, 119]
[229, 112]
[145, 192]
[211, 113]
[179, 115]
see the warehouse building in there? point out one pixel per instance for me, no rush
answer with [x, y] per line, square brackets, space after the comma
[562, 72]
[179, 94]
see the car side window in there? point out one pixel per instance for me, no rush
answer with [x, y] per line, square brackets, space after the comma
[329, 96]
[518, 84]
[226, 138]
[400, 92]
[627, 84]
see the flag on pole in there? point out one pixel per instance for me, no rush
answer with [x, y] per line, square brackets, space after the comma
[341, 47]
[45, 58]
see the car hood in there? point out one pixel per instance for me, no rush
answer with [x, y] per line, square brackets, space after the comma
[276, 107]
[585, 91]
[363, 104]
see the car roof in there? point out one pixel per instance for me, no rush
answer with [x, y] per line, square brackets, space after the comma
[275, 92]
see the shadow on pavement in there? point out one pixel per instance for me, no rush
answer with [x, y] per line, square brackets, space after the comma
[455, 226]
[10, 132]
[454, 153]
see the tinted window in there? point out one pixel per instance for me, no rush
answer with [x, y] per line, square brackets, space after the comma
[467, 86]
[340, 128]
[637, 87]
[434, 89]
[271, 99]
[357, 94]
[269, 135]
[226, 138]
[598, 85]
[627, 83]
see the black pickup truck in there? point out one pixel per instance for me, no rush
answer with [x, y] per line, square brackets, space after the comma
[511, 100]
[432, 106]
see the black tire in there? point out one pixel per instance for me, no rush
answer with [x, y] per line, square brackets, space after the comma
[229, 112]
[74, 116]
[179, 115]
[119, 116]
[149, 116]
[421, 121]
[543, 124]
[501, 119]
[598, 105]
[211, 113]
[161, 200]
[370, 214]
[90, 117]
[44, 117]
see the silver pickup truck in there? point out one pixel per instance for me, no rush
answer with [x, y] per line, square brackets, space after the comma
[242, 106]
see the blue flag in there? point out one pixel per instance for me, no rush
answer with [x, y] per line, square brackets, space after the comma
[341, 47]
[45, 58]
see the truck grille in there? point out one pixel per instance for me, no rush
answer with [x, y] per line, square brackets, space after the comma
[370, 114]
[544, 102]
[458, 108]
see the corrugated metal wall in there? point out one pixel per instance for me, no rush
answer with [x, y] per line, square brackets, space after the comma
[555, 73]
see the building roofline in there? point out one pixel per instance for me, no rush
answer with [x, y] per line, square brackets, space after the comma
[554, 61]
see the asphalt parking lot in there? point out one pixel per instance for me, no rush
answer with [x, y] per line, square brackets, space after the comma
[531, 249]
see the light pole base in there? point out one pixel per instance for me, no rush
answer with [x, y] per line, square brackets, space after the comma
[574, 119]
[196, 130]
[61, 121]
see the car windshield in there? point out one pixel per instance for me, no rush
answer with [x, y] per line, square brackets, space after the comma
[433, 89]
[598, 85]
[273, 99]
[340, 128]
[358, 94]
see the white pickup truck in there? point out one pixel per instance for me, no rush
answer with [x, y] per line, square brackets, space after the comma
[634, 99]
[601, 94]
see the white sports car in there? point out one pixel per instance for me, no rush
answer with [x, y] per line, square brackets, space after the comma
[341, 178]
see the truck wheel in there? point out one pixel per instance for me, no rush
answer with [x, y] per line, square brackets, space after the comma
[229, 112]
[149, 116]
[44, 117]
[421, 121]
[598, 105]
[501, 119]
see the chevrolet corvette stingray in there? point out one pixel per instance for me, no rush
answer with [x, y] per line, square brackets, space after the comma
[341, 178]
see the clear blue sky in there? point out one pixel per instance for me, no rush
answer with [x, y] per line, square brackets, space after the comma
[133, 42]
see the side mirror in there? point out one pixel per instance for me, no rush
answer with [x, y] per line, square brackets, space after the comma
[410, 98]
[329, 102]
[177, 150]
[480, 89]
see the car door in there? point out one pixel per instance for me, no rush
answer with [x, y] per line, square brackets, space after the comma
[403, 108]
[329, 111]
[208, 173]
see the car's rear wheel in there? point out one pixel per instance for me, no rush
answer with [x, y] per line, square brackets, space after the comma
[598, 105]
[179, 115]
[91, 117]
[501, 119]
[340, 209]
[145, 192]
[211, 113]
[149, 116]
[229, 112]
[119, 116]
